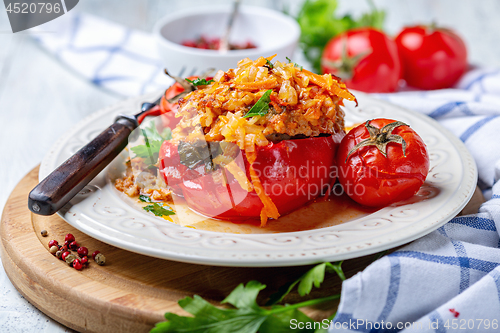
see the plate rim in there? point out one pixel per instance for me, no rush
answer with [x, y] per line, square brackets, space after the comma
[468, 164]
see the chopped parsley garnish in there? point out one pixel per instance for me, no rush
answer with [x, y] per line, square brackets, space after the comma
[144, 198]
[192, 154]
[199, 82]
[295, 64]
[269, 64]
[158, 210]
[153, 141]
[261, 107]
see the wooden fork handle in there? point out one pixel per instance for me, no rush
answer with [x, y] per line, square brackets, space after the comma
[59, 187]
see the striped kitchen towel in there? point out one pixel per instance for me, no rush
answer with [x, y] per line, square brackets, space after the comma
[449, 280]
[121, 60]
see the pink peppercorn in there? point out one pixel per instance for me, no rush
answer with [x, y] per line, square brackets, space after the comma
[82, 251]
[77, 264]
[64, 255]
[73, 245]
[84, 261]
[94, 254]
[69, 238]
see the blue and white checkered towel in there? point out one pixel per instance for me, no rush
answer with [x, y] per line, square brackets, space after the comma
[119, 59]
[448, 281]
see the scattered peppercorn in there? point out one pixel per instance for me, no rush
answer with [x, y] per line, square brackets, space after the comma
[77, 264]
[69, 238]
[64, 252]
[73, 245]
[85, 261]
[44, 233]
[64, 255]
[70, 258]
[53, 249]
[82, 251]
[95, 253]
[100, 259]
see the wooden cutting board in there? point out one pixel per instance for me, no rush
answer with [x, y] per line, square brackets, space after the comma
[131, 292]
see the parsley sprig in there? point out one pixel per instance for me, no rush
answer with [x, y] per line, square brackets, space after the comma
[155, 208]
[295, 64]
[199, 82]
[261, 107]
[158, 210]
[314, 276]
[246, 316]
[153, 140]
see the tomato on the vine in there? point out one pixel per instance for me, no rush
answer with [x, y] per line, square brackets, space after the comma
[381, 162]
[365, 59]
[433, 58]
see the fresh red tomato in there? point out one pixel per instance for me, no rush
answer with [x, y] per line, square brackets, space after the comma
[381, 162]
[365, 59]
[165, 109]
[292, 173]
[432, 58]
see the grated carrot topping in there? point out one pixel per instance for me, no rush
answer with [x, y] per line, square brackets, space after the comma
[269, 209]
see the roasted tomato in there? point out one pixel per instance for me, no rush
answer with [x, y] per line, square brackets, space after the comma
[365, 59]
[432, 58]
[165, 107]
[290, 173]
[381, 162]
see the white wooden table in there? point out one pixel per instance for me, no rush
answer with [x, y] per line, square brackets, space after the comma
[40, 99]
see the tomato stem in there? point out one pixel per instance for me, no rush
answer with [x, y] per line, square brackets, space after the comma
[380, 138]
[345, 65]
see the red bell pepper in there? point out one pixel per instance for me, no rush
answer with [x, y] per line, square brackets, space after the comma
[292, 173]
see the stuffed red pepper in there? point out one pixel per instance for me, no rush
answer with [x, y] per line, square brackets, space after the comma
[255, 142]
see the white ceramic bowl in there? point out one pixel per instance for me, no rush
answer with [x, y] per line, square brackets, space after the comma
[272, 32]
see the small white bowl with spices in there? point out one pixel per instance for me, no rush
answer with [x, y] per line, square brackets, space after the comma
[272, 32]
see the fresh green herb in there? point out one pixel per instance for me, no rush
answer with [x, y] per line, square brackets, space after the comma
[158, 210]
[192, 154]
[269, 64]
[153, 141]
[261, 107]
[295, 64]
[199, 82]
[144, 198]
[152, 132]
[247, 316]
[166, 134]
[319, 23]
[314, 276]
[337, 267]
[375, 18]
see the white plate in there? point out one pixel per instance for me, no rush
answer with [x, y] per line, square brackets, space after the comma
[101, 212]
